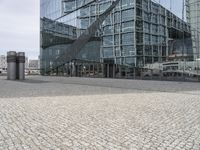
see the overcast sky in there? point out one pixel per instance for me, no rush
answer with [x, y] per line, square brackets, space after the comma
[176, 6]
[19, 25]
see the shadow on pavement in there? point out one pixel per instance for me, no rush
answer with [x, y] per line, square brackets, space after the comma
[38, 86]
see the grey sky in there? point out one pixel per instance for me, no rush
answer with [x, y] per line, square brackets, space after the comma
[19, 25]
[176, 6]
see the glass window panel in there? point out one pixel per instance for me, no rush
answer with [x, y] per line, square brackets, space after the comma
[128, 50]
[127, 26]
[108, 29]
[108, 52]
[127, 38]
[128, 15]
[107, 40]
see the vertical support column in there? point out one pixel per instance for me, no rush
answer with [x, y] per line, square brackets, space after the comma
[89, 66]
[63, 70]
[114, 70]
[120, 71]
[20, 66]
[103, 71]
[73, 69]
[97, 70]
[77, 69]
[108, 71]
[11, 65]
[81, 70]
[57, 71]
[93, 70]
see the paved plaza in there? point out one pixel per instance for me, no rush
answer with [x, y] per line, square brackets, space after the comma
[59, 113]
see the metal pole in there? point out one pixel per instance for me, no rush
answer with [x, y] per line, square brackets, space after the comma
[171, 5]
[108, 71]
[198, 57]
[183, 49]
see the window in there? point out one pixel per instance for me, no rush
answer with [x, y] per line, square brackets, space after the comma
[108, 20]
[104, 6]
[93, 10]
[117, 28]
[108, 40]
[85, 23]
[127, 38]
[162, 20]
[108, 52]
[147, 39]
[154, 40]
[69, 6]
[117, 51]
[126, 3]
[162, 30]
[154, 8]
[84, 12]
[130, 61]
[127, 26]
[128, 50]
[127, 14]
[117, 17]
[92, 19]
[147, 16]
[116, 39]
[154, 18]
[154, 29]
[108, 30]
[148, 50]
[145, 6]
[146, 27]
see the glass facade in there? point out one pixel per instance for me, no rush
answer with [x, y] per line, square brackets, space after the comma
[59, 31]
[193, 17]
[137, 32]
[118, 40]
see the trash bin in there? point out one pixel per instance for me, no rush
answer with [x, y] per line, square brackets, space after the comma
[11, 65]
[21, 65]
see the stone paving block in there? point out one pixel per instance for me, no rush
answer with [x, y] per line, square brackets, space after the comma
[79, 115]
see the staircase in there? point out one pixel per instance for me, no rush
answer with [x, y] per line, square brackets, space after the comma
[82, 40]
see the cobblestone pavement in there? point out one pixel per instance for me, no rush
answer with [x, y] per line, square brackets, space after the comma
[72, 113]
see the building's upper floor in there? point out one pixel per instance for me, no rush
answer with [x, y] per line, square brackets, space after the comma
[79, 19]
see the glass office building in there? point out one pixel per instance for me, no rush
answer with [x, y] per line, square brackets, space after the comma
[193, 17]
[58, 32]
[137, 32]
